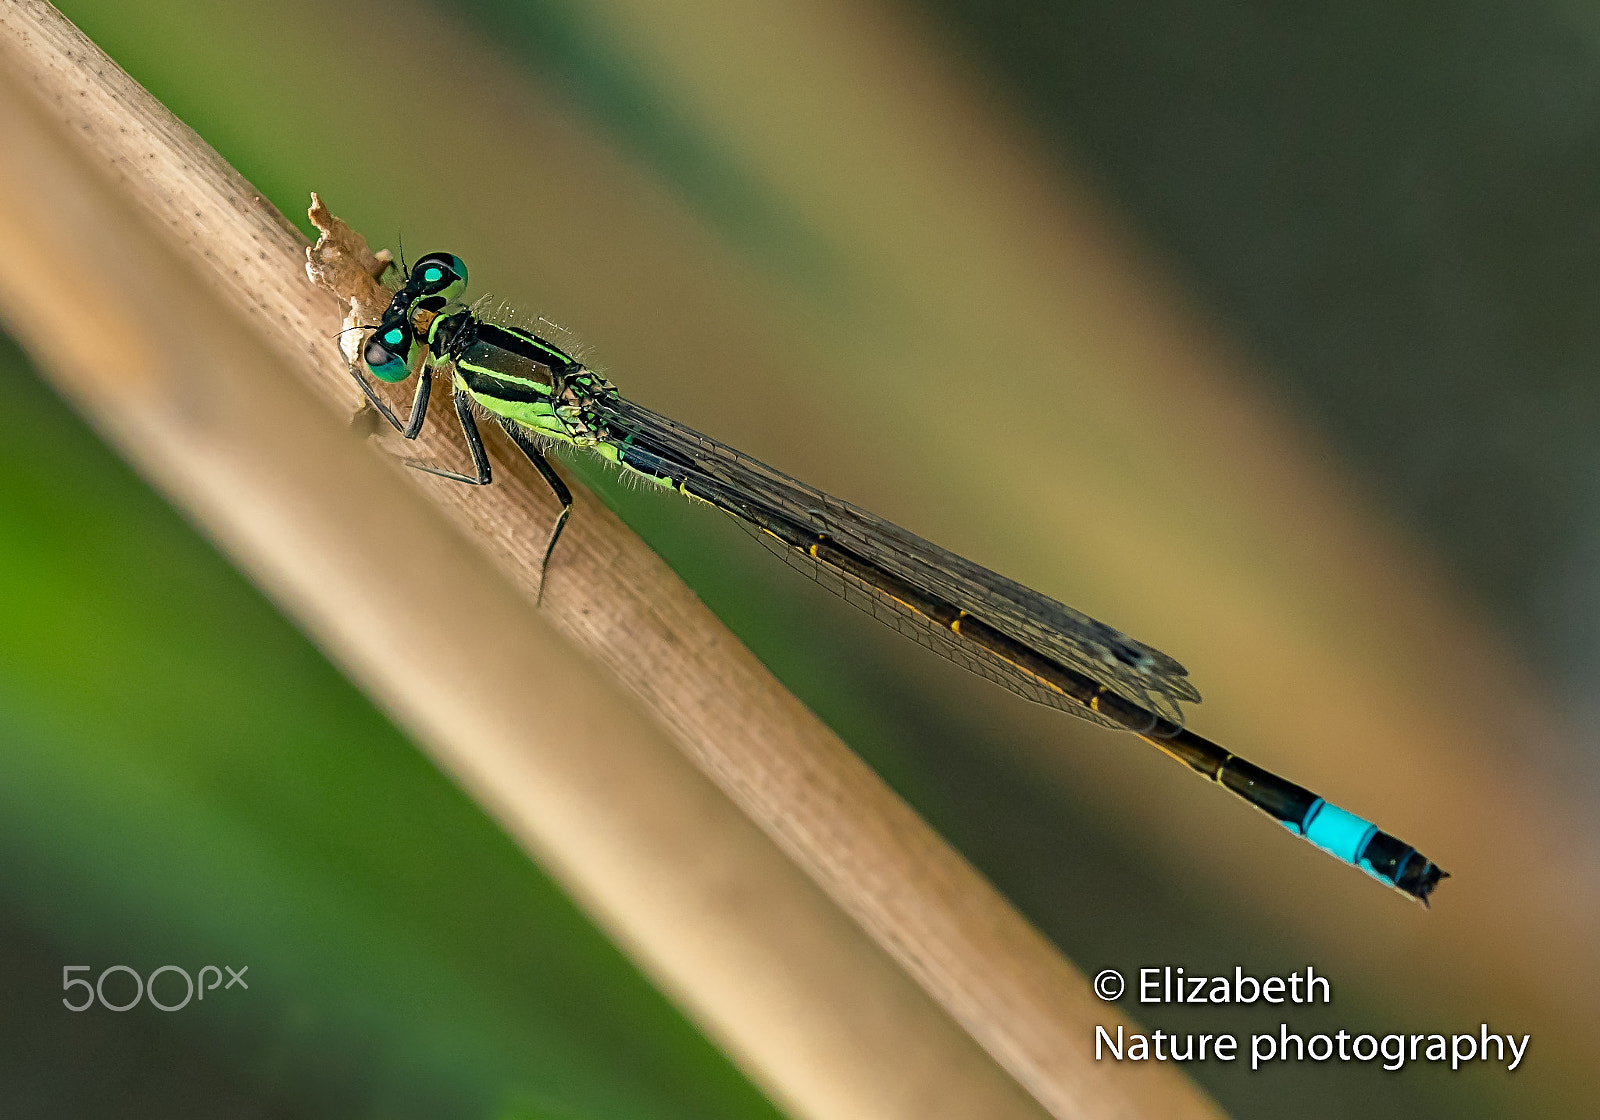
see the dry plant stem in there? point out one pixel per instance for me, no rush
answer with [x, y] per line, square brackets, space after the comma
[722, 919]
[618, 604]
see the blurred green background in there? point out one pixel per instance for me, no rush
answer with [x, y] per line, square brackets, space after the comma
[1264, 333]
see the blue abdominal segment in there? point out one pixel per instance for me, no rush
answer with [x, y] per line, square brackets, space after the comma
[1337, 832]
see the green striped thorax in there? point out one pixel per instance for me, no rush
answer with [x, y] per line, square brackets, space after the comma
[519, 376]
[501, 365]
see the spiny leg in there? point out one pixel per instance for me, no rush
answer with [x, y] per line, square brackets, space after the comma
[419, 402]
[557, 487]
[480, 457]
[373, 399]
[480, 460]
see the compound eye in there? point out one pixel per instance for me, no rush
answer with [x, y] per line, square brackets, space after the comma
[388, 352]
[440, 274]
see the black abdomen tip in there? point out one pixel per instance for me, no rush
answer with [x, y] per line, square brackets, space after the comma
[1419, 878]
[1395, 861]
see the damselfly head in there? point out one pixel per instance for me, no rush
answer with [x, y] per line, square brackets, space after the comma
[436, 279]
[389, 350]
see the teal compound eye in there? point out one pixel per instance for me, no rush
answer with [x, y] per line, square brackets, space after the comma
[388, 352]
[440, 277]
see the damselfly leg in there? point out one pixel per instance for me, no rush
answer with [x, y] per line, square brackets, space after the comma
[557, 487]
[480, 461]
[419, 402]
[480, 457]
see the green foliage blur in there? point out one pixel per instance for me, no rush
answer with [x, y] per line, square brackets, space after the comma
[184, 780]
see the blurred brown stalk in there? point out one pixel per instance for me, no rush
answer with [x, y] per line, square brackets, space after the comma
[169, 303]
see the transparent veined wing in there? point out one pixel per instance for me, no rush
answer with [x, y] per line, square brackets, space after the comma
[755, 492]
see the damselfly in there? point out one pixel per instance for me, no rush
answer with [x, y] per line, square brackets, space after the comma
[1016, 637]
